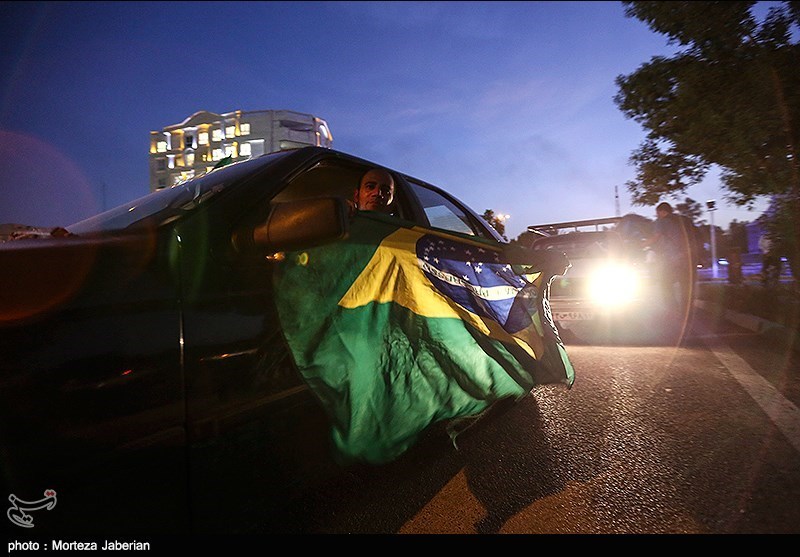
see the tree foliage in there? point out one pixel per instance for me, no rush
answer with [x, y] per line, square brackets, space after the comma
[780, 217]
[729, 96]
[496, 222]
[691, 209]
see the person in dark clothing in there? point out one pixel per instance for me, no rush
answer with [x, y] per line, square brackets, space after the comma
[674, 243]
[770, 262]
[735, 266]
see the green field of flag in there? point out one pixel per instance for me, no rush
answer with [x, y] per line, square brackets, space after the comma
[398, 327]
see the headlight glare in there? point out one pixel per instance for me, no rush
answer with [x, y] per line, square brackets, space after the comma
[613, 285]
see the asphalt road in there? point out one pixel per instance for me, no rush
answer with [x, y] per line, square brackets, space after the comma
[701, 438]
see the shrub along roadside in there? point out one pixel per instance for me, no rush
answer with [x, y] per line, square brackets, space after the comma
[779, 304]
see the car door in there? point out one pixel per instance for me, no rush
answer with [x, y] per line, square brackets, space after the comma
[249, 416]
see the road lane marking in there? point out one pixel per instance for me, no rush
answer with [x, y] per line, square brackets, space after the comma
[780, 410]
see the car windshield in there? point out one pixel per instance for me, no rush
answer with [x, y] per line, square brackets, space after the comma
[170, 202]
[593, 245]
[579, 244]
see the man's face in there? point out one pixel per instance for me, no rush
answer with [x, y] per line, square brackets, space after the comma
[376, 191]
[661, 214]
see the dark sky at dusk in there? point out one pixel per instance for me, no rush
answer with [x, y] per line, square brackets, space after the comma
[507, 105]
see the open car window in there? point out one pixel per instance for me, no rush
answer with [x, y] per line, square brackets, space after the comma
[338, 178]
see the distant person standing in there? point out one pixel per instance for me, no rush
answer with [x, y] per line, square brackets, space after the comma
[674, 242]
[735, 266]
[770, 262]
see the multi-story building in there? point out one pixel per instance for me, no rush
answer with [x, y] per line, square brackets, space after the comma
[182, 151]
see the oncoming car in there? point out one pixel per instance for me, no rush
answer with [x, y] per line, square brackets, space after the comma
[610, 292]
[180, 362]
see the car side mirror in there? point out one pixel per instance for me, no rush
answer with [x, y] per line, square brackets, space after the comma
[293, 225]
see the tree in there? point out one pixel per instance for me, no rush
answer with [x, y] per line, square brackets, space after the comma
[737, 234]
[691, 209]
[729, 98]
[777, 220]
[496, 221]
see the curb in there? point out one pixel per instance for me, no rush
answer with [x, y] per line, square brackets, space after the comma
[751, 322]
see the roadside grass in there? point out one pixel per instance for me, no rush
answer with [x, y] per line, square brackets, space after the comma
[779, 304]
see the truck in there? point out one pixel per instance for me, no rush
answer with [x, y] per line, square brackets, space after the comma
[609, 295]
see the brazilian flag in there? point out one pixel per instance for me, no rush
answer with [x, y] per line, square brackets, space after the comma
[399, 327]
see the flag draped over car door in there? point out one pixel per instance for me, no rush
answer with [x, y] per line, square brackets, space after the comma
[399, 327]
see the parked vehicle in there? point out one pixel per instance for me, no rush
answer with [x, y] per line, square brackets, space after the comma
[609, 294]
[184, 360]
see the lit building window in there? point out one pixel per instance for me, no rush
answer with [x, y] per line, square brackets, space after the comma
[244, 150]
[230, 131]
[202, 138]
[230, 150]
[244, 128]
[161, 147]
[216, 134]
[217, 154]
[209, 168]
[189, 159]
[171, 161]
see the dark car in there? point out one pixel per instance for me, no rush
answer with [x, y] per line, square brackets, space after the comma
[159, 350]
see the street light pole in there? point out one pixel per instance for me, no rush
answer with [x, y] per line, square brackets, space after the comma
[711, 204]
